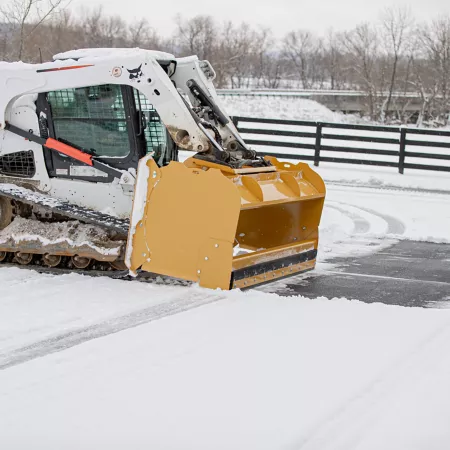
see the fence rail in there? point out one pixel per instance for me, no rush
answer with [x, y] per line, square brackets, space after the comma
[243, 92]
[398, 145]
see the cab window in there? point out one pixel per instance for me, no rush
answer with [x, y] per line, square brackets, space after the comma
[92, 118]
[155, 131]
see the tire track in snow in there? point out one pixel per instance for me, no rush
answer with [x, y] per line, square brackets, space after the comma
[395, 226]
[361, 225]
[347, 425]
[388, 187]
[64, 341]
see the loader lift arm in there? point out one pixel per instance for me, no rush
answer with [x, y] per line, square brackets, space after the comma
[196, 128]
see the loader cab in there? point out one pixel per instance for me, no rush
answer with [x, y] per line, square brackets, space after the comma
[114, 122]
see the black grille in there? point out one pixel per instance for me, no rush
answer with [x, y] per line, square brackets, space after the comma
[20, 164]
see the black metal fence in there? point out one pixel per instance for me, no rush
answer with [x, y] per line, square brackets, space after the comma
[397, 148]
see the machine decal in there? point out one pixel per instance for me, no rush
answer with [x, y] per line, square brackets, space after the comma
[116, 72]
[56, 69]
[135, 74]
[86, 171]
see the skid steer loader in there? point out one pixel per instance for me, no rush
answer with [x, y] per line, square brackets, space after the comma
[89, 174]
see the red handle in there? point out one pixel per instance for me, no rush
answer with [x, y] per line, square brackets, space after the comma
[69, 151]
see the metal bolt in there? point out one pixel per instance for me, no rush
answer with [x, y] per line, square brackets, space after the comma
[144, 254]
[198, 271]
[154, 174]
[217, 246]
[141, 224]
[206, 258]
[303, 228]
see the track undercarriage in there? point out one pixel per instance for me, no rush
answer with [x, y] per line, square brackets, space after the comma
[40, 231]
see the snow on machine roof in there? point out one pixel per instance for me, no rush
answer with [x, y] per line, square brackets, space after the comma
[108, 52]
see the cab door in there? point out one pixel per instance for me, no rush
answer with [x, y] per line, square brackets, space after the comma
[102, 120]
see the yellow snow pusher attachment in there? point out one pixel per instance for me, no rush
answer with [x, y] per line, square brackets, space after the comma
[225, 228]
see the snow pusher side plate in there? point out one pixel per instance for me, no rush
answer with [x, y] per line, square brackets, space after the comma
[188, 219]
[183, 223]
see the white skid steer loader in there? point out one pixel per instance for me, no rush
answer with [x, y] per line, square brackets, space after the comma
[89, 174]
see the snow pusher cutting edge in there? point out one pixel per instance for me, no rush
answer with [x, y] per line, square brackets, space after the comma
[225, 228]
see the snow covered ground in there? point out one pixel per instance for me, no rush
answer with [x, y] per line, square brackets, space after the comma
[248, 371]
[93, 363]
[293, 108]
[359, 221]
[383, 177]
[89, 363]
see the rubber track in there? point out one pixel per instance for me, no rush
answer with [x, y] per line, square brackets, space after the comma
[67, 209]
[116, 274]
[143, 277]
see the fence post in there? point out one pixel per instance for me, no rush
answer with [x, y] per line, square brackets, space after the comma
[318, 143]
[401, 158]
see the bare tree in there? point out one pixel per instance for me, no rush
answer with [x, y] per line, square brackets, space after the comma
[396, 26]
[361, 45]
[26, 16]
[303, 50]
[102, 30]
[197, 36]
[333, 60]
[266, 66]
[237, 45]
[141, 34]
[435, 40]
[65, 36]
[426, 92]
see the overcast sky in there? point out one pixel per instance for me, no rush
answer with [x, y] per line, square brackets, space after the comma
[280, 15]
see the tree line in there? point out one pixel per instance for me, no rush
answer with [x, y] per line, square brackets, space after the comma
[396, 54]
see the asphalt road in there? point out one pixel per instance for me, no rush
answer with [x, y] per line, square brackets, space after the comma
[409, 273]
